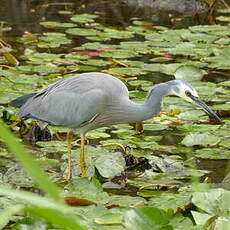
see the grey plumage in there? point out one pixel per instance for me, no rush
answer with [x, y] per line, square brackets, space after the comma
[91, 100]
[20, 101]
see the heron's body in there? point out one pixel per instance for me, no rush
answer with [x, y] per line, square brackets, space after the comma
[91, 100]
[88, 101]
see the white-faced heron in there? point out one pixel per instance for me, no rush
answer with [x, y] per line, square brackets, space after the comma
[91, 100]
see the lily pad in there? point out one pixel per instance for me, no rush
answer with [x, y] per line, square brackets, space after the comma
[146, 218]
[90, 190]
[109, 219]
[155, 127]
[53, 24]
[117, 34]
[96, 62]
[189, 73]
[43, 57]
[127, 71]
[82, 32]
[163, 68]
[175, 202]
[53, 40]
[221, 60]
[83, 18]
[98, 45]
[208, 28]
[203, 139]
[213, 153]
[197, 127]
[198, 37]
[124, 200]
[110, 165]
[119, 54]
[134, 45]
[214, 202]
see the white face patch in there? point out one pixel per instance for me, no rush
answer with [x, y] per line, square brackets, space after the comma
[182, 89]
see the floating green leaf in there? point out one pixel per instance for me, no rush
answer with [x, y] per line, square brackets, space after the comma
[146, 218]
[213, 153]
[189, 73]
[52, 24]
[117, 34]
[203, 139]
[110, 165]
[88, 189]
[119, 54]
[221, 60]
[83, 18]
[54, 212]
[171, 201]
[216, 205]
[127, 71]
[82, 32]
[53, 40]
[30, 165]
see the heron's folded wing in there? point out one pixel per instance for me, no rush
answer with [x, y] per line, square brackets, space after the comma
[65, 107]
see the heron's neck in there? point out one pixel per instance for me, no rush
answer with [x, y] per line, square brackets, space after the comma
[153, 103]
[140, 112]
[127, 111]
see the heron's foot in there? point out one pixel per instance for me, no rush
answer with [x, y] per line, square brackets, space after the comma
[115, 144]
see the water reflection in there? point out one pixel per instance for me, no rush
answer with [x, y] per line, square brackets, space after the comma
[25, 15]
[19, 14]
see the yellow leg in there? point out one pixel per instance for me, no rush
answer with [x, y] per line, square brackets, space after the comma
[82, 157]
[69, 144]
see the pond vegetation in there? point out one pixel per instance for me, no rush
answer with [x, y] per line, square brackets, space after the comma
[173, 172]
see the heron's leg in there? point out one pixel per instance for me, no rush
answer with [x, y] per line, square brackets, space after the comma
[69, 144]
[82, 157]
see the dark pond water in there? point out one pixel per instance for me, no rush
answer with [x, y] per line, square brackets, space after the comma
[25, 15]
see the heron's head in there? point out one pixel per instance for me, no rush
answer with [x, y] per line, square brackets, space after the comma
[185, 90]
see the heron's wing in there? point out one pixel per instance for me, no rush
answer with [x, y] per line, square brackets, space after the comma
[74, 100]
[65, 107]
[20, 101]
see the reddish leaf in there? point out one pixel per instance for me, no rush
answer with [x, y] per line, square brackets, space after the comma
[89, 53]
[168, 55]
[75, 201]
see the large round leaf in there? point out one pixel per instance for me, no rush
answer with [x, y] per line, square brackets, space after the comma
[203, 139]
[110, 165]
[146, 218]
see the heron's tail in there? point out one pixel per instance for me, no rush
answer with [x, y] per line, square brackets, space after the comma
[20, 101]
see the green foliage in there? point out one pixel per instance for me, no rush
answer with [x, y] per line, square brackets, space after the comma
[214, 209]
[30, 165]
[170, 145]
[146, 218]
[203, 139]
[54, 212]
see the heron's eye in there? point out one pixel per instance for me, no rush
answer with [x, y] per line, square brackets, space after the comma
[188, 94]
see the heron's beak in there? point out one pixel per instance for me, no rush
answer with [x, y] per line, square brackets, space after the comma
[210, 112]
